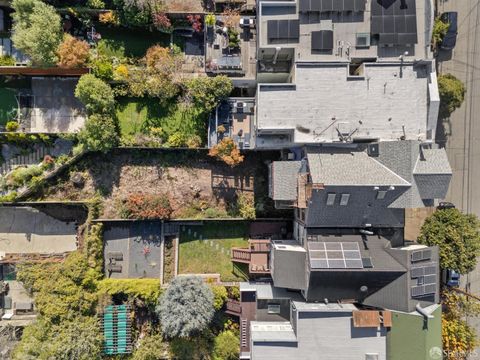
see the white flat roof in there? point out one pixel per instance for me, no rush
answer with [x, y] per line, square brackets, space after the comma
[322, 307]
[288, 245]
[389, 101]
[272, 331]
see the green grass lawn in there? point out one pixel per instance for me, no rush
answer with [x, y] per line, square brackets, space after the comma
[212, 253]
[134, 41]
[138, 115]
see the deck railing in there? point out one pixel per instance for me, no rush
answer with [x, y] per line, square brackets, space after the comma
[241, 255]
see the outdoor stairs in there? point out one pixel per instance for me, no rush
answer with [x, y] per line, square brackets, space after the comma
[34, 157]
[243, 332]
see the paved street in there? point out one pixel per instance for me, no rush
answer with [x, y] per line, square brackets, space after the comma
[463, 128]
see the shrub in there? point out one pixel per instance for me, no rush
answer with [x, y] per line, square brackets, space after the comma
[196, 21]
[196, 348]
[246, 206]
[219, 296]
[231, 17]
[7, 60]
[160, 59]
[452, 93]
[186, 307]
[210, 20]
[109, 18]
[162, 22]
[227, 346]
[147, 290]
[177, 139]
[11, 126]
[22, 175]
[96, 4]
[93, 247]
[36, 30]
[151, 347]
[121, 72]
[146, 206]
[10, 197]
[72, 52]
[96, 95]
[194, 142]
[102, 68]
[99, 134]
[207, 92]
[439, 31]
[227, 151]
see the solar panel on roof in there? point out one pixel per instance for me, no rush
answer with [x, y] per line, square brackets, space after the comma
[285, 30]
[367, 263]
[322, 40]
[334, 255]
[394, 21]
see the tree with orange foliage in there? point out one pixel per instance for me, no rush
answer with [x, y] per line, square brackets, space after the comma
[72, 52]
[161, 59]
[227, 151]
[231, 18]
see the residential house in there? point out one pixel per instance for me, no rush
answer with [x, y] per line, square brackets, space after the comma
[333, 72]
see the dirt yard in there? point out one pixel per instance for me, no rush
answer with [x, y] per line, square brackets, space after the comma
[193, 181]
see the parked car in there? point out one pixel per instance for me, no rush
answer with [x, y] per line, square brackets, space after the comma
[451, 278]
[445, 205]
[450, 38]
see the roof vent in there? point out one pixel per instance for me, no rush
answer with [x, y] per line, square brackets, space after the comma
[373, 150]
[371, 357]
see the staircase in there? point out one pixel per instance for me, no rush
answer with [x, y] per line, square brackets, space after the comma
[243, 333]
[34, 157]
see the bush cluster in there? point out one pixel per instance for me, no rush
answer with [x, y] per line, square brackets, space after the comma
[146, 206]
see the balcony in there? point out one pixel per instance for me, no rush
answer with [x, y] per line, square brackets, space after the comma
[256, 256]
[233, 307]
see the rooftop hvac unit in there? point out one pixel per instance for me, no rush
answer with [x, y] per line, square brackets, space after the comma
[371, 357]
[362, 40]
[239, 104]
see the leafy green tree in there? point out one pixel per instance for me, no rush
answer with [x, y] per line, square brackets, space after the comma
[452, 93]
[95, 94]
[186, 307]
[99, 134]
[458, 237]
[227, 346]
[207, 92]
[76, 339]
[62, 290]
[196, 348]
[37, 30]
[152, 347]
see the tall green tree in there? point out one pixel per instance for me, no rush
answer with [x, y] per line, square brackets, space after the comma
[458, 237]
[207, 92]
[452, 93]
[95, 94]
[37, 30]
[186, 307]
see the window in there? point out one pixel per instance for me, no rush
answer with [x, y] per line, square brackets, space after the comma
[381, 194]
[331, 198]
[344, 199]
[273, 308]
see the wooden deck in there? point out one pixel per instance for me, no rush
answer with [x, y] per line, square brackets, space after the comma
[256, 256]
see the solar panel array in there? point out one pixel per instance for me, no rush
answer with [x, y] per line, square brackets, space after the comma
[331, 5]
[322, 40]
[285, 30]
[424, 279]
[394, 21]
[335, 255]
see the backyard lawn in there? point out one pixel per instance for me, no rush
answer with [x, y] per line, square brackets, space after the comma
[139, 115]
[134, 41]
[206, 249]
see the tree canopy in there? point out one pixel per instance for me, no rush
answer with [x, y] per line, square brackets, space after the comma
[458, 237]
[227, 151]
[95, 94]
[207, 92]
[99, 134]
[76, 339]
[452, 93]
[72, 52]
[227, 346]
[186, 307]
[37, 30]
